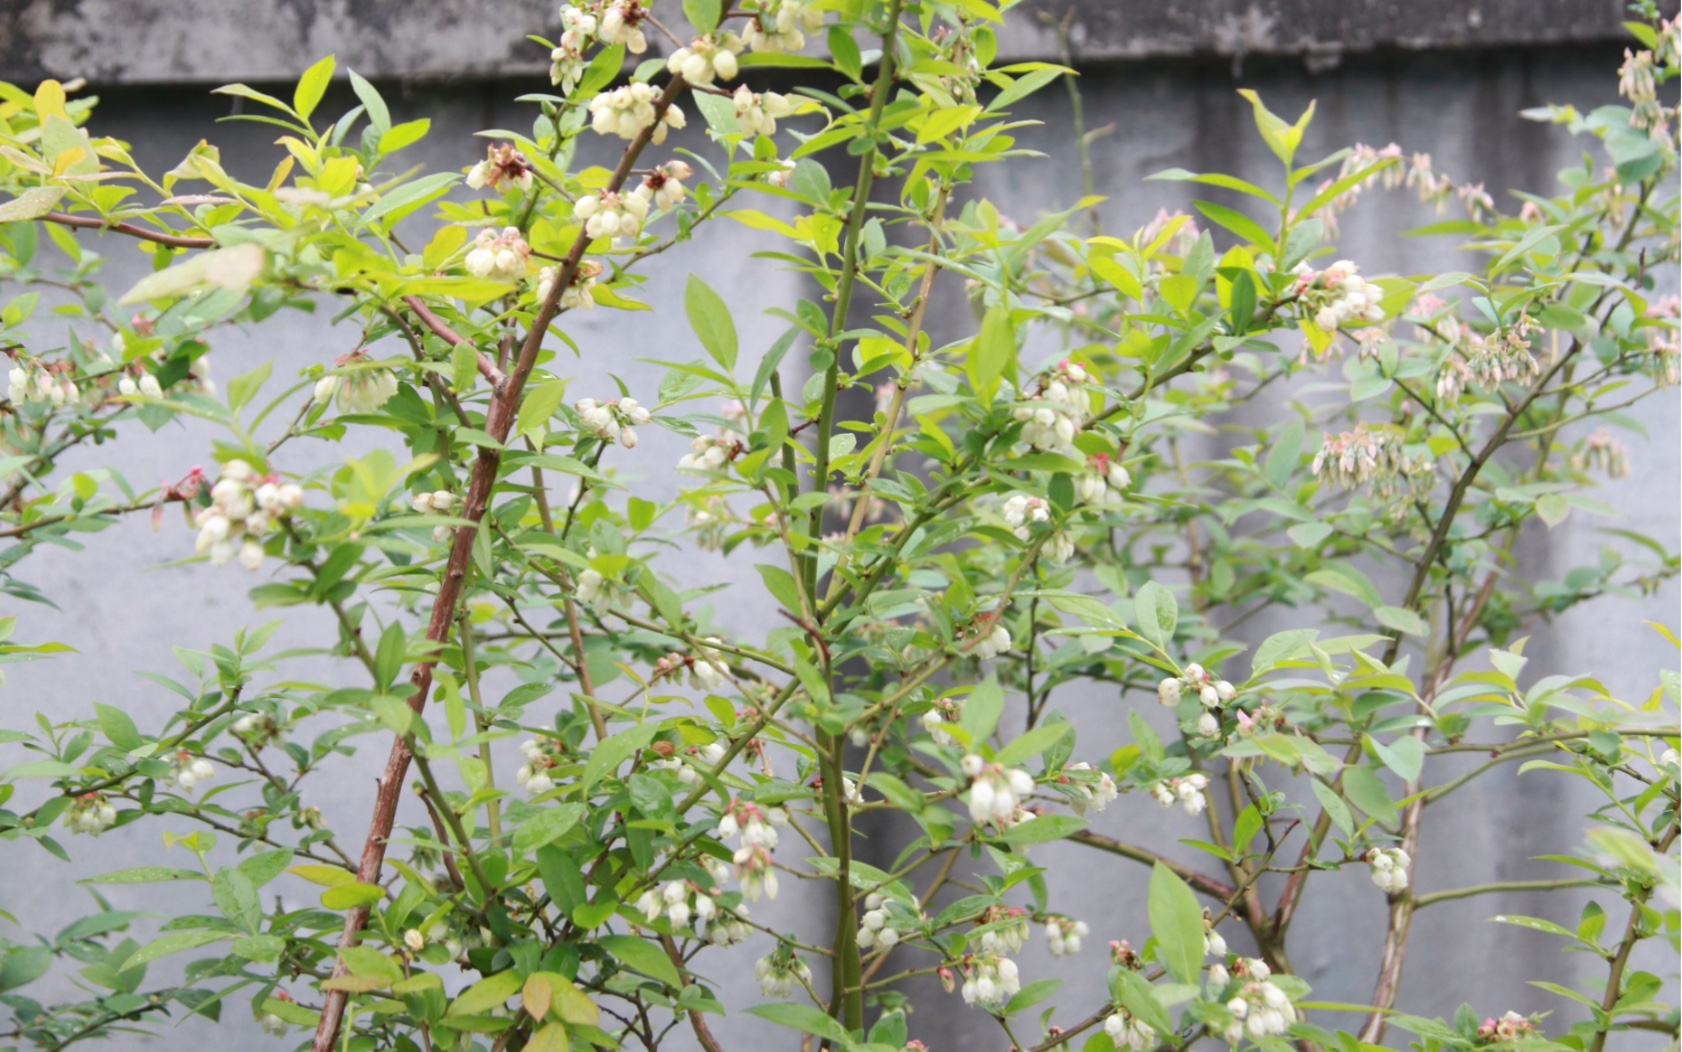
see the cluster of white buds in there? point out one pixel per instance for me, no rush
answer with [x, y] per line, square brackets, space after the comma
[242, 508]
[1063, 935]
[664, 185]
[1602, 452]
[614, 420]
[707, 668]
[991, 642]
[596, 591]
[1126, 1031]
[1337, 295]
[1670, 758]
[1007, 929]
[709, 453]
[621, 23]
[686, 763]
[943, 715]
[707, 59]
[612, 215]
[1104, 480]
[1095, 793]
[711, 517]
[1260, 1009]
[781, 978]
[990, 981]
[1503, 355]
[1210, 692]
[542, 756]
[1361, 157]
[271, 1024]
[1434, 187]
[1665, 339]
[876, 927]
[1509, 1028]
[48, 384]
[498, 256]
[1366, 454]
[1637, 83]
[1187, 791]
[626, 111]
[360, 390]
[438, 502]
[190, 770]
[1052, 418]
[782, 25]
[1389, 869]
[757, 112]
[780, 175]
[577, 295]
[257, 729]
[674, 900]
[757, 828]
[146, 385]
[1021, 511]
[502, 164]
[995, 792]
[90, 813]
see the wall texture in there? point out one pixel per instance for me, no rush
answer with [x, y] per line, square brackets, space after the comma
[1163, 75]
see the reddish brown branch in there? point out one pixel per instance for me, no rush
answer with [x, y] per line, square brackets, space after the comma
[499, 420]
[488, 368]
[143, 233]
[696, 1021]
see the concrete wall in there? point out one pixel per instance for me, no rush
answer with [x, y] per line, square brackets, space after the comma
[1459, 106]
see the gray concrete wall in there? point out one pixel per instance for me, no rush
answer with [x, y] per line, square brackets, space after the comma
[1458, 106]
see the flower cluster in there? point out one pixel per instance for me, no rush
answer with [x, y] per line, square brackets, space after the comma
[684, 764]
[1188, 791]
[614, 420]
[943, 714]
[1506, 1030]
[1052, 417]
[1063, 935]
[242, 508]
[989, 643]
[257, 729]
[990, 980]
[709, 453]
[190, 770]
[1602, 452]
[1389, 869]
[706, 59]
[682, 903]
[664, 185]
[45, 383]
[146, 385]
[1260, 1009]
[502, 164]
[757, 112]
[612, 215]
[498, 256]
[876, 927]
[542, 756]
[1363, 455]
[1361, 157]
[92, 813]
[596, 591]
[782, 25]
[576, 295]
[780, 978]
[1503, 355]
[995, 792]
[361, 389]
[1104, 480]
[1126, 1031]
[1021, 511]
[626, 111]
[1337, 295]
[1095, 793]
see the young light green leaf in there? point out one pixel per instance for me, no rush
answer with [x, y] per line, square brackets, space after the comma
[710, 319]
[1176, 922]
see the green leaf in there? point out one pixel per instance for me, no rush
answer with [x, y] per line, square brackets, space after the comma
[982, 709]
[259, 947]
[1365, 790]
[547, 826]
[1282, 458]
[1552, 509]
[643, 956]
[1139, 997]
[487, 994]
[990, 353]
[804, 1018]
[118, 728]
[710, 319]
[236, 897]
[1405, 755]
[145, 875]
[1176, 922]
[1281, 646]
[326, 876]
[1280, 137]
[33, 203]
[1237, 222]
[1400, 619]
[1335, 808]
[1155, 613]
[312, 86]
[608, 755]
[703, 14]
[350, 896]
[406, 134]
[1033, 743]
[538, 405]
[174, 942]
[379, 118]
[244, 387]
